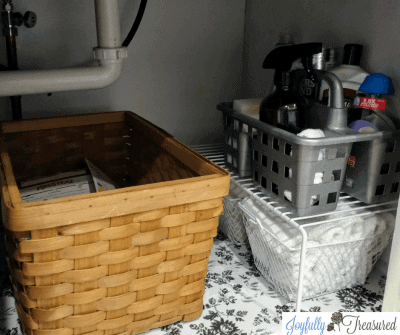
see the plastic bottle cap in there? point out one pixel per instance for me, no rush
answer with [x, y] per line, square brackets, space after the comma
[377, 83]
[352, 54]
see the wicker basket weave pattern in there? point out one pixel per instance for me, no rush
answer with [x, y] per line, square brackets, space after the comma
[116, 262]
[130, 273]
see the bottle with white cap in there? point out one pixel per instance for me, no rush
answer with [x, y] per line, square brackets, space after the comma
[351, 76]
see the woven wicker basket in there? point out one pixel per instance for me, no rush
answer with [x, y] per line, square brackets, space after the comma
[116, 262]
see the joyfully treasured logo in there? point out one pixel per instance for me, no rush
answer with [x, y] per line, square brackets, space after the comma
[339, 323]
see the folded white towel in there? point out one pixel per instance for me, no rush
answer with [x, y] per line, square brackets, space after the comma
[380, 225]
[327, 267]
[313, 200]
[323, 271]
[335, 234]
[314, 133]
[287, 235]
[390, 220]
[312, 254]
[327, 233]
[319, 176]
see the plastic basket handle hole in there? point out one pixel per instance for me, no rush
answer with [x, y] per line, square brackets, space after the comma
[390, 147]
[275, 167]
[256, 176]
[275, 143]
[288, 149]
[318, 178]
[264, 160]
[332, 198]
[336, 175]
[394, 188]
[255, 155]
[380, 189]
[228, 121]
[275, 189]
[288, 172]
[385, 168]
[236, 125]
[235, 144]
[322, 154]
[245, 128]
[235, 162]
[264, 139]
[254, 133]
[398, 167]
[229, 158]
[229, 140]
[287, 195]
[314, 201]
[263, 182]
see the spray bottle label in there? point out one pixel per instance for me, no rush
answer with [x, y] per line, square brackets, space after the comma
[369, 103]
[307, 87]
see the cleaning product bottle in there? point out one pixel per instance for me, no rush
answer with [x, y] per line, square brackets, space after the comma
[351, 76]
[284, 40]
[373, 106]
[280, 108]
[302, 83]
[270, 111]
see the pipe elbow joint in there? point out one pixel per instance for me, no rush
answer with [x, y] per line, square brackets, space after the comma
[110, 61]
[110, 72]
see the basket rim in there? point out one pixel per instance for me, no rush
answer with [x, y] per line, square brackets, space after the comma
[213, 178]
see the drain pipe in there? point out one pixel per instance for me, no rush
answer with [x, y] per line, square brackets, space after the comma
[109, 54]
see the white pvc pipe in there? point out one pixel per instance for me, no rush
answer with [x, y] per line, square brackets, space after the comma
[110, 62]
[46, 81]
[108, 23]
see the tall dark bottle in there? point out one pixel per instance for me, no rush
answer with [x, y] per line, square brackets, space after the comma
[280, 109]
[284, 108]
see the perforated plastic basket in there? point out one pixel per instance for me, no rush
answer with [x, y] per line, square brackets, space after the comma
[307, 174]
[373, 171]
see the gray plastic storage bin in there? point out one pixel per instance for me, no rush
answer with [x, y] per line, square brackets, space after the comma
[283, 163]
[373, 171]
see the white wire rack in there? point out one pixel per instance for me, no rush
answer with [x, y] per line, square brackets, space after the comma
[231, 221]
[270, 203]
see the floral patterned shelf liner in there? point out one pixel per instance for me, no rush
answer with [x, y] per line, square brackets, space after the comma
[237, 300]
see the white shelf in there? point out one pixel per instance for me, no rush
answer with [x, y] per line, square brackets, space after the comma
[215, 153]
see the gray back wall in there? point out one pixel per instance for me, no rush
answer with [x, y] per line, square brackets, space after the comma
[375, 24]
[185, 58]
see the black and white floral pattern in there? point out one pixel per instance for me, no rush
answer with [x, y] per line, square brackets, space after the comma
[237, 299]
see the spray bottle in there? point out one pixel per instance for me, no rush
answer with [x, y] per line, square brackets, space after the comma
[281, 108]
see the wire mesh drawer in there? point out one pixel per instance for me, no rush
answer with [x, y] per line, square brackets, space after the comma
[231, 221]
[339, 253]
